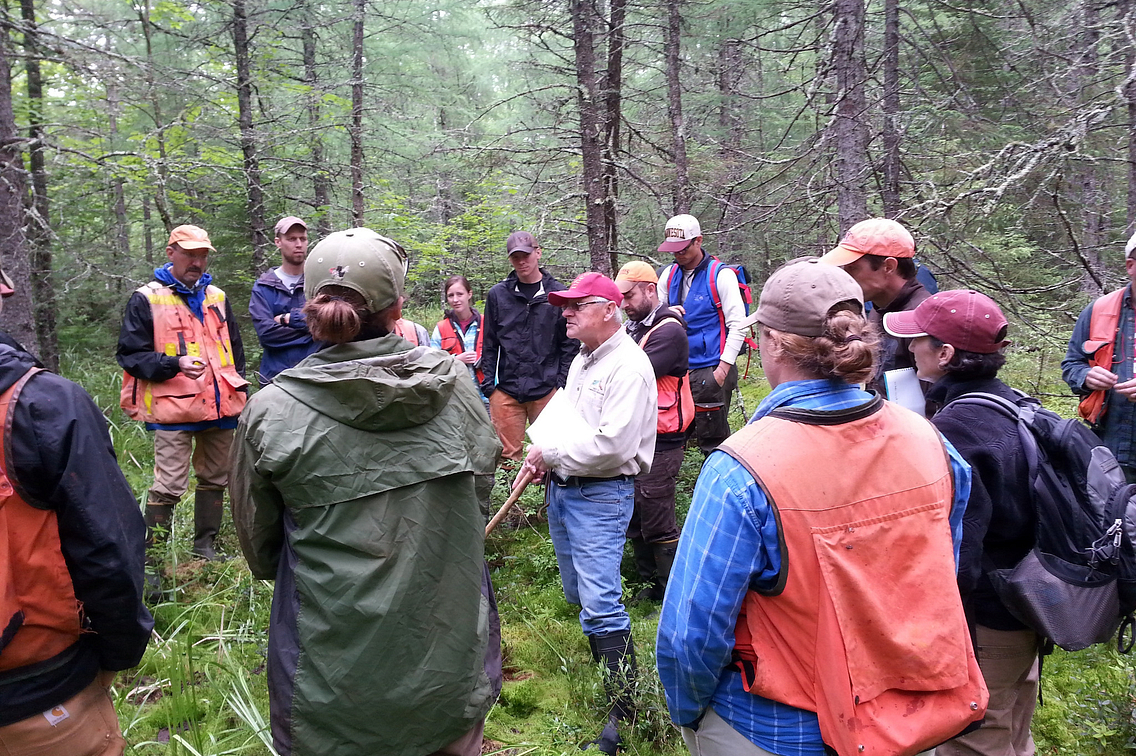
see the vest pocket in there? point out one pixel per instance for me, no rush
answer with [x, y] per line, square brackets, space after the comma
[900, 625]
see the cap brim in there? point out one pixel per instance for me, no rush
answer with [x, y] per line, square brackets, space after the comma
[902, 325]
[675, 246]
[515, 250]
[625, 284]
[841, 256]
[561, 298]
[189, 244]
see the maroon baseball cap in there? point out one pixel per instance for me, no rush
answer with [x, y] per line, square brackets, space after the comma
[587, 285]
[521, 241]
[963, 318]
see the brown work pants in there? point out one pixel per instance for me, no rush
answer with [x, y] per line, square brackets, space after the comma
[173, 451]
[85, 725]
[509, 417]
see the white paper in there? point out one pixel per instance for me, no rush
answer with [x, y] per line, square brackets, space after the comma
[558, 419]
[903, 388]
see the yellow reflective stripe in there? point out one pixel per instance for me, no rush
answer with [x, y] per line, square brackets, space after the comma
[171, 350]
[148, 399]
[193, 349]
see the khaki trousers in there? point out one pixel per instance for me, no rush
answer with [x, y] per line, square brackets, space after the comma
[173, 451]
[509, 416]
[88, 727]
[1008, 660]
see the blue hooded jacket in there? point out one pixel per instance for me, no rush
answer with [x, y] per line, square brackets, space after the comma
[284, 345]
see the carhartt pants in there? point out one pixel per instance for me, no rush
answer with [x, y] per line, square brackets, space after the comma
[1008, 660]
[84, 725]
[509, 416]
[173, 451]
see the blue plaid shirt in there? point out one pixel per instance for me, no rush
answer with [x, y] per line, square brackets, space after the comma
[728, 545]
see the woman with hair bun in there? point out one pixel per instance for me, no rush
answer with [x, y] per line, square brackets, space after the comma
[357, 486]
[812, 602]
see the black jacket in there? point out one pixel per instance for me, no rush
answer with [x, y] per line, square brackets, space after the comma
[1000, 522]
[669, 352]
[60, 457]
[526, 351]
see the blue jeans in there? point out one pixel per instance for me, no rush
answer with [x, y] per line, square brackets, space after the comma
[588, 524]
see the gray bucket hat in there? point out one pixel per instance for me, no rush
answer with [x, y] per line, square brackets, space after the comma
[361, 260]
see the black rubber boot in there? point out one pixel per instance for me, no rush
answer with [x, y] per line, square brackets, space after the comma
[664, 560]
[645, 565]
[159, 519]
[617, 652]
[208, 508]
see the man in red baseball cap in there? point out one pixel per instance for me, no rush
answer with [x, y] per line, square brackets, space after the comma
[879, 253]
[959, 338]
[592, 464]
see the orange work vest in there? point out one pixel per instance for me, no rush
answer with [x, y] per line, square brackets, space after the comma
[178, 333]
[676, 403]
[405, 328]
[1103, 325]
[454, 344]
[39, 614]
[865, 626]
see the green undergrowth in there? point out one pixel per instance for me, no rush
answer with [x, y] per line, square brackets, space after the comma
[201, 689]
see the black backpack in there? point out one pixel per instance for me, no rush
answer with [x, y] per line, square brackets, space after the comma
[1078, 583]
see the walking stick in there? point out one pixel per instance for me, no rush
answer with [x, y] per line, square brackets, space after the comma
[524, 479]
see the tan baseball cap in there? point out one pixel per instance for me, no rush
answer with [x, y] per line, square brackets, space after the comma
[799, 295]
[881, 237]
[635, 272]
[358, 259]
[284, 225]
[190, 237]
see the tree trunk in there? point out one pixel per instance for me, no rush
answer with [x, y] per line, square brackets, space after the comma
[257, 226]
[680, 193]
[730, 64]
[1093, 205]
[584, 23]
[321, 182]
[121, 247]
[18, 313]
[851, 127]
[148, 231]
[357, 117]
[890, 191]
[160, 198]
[39, 215]
[613, 115]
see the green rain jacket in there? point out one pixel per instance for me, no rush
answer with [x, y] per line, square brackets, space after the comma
[354, 485]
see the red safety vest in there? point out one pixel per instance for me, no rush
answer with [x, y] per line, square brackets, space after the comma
[676, 403]
[405, 328]
[178, 333]
[1103, 325]
[865, 627]
[40, 617]
[454, 344]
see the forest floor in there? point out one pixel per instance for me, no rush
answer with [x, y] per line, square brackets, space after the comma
[201, 688]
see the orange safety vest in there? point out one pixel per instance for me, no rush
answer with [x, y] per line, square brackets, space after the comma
[405, 328]
[178, 333]
[40, 617]
[865, 627]
[454, 344]
[676, 403]
[1103, 325]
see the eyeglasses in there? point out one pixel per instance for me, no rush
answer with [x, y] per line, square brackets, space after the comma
[574, 306]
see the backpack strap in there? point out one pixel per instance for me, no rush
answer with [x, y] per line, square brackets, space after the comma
[667, 286]
[712, 272]
[1022, 412]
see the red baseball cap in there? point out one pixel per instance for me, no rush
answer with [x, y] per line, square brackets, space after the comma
[587, 285]
[963, 318]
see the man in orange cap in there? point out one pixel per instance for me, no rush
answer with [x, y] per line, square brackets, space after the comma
[184, 368]
[661, 333]
[880, 254]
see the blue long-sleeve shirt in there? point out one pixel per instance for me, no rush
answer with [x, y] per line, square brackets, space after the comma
[728, 546]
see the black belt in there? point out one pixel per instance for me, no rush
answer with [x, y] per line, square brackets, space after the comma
[580, 480]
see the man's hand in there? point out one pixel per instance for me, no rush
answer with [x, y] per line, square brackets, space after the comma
[1126, 389]
[192, 367]
[679, 309]
[534, 463]
[721, 372]
[466, 358]
[1099, 379]
[284, 319]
